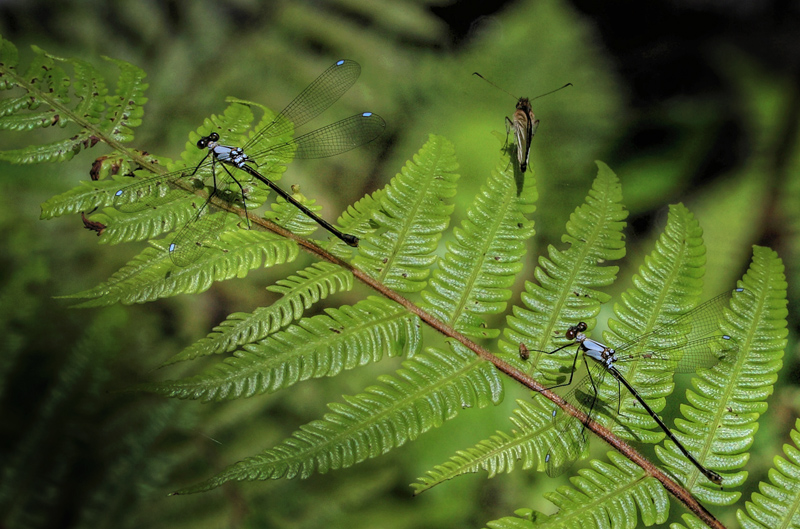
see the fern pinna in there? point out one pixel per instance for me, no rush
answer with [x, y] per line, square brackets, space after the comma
[461, 288]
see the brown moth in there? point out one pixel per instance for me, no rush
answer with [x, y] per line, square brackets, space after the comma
[523, 123]
[524, 353]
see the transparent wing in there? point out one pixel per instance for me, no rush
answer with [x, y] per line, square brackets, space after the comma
[332, 139]
[685, 353]
[698, 354]
[316, 98]
[189, 244]
[701, 321]
[150, 191]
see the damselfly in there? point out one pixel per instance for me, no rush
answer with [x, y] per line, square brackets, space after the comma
[661, 351]
[327, 141]
[523, 123]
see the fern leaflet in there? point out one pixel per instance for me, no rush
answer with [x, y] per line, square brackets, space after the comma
[414, 213]
[727, 400]
[481, 264]
[151, 275]
[568, 280]
[100, 117]
[777, 504]
[430, 389]
[320, 346]
[316, 282]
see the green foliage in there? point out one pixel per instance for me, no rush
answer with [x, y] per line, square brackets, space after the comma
[721, 417]
[319, 346]
[309, 286]
[413, 211]
[474, 277]
[776, 505]
[718, 424]
[430, 389]
[151, 275]
[568, 280]
[604, 495]
[668, 284]
[100, 115]
[464, 283]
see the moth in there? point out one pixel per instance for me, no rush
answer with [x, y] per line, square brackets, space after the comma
[524, 353]
[523, 123]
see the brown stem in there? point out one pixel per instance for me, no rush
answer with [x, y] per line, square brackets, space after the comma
[683, 495]
[680, 493]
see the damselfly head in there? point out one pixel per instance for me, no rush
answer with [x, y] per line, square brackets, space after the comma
[574, 330]
[203, 142]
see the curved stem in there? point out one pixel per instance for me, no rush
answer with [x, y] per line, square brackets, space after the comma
[673, 487]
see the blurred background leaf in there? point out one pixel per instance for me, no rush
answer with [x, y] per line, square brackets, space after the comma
[686, 101]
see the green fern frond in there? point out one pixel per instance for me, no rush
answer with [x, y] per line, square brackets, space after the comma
[151, 275]
[290, 217]
[674, 265]
[777, 504]
[475, 275]
[668, 284]
[310, 285]
[414, 213]
[720, 421]
[153, 206]
[595, 231]
[356, 218]
[567, 281]
[501, 452]
[147, 222]
[430, 389]
[609, 496]
[320, 346]
[100, 117]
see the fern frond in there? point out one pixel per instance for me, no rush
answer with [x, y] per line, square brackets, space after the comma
[310, 285]
[720, 420]
[100, 117]
[595, 231]
[777, 504]
[148, 205]
[610, 496]
[356, 218]
[290, 217]
[668, 284]
[414, 213]
[567, 280]
[151, 275]
[320, 346]
[603, 497]
[430, 389]
[475, 275]
[501, 452]
[675, 264]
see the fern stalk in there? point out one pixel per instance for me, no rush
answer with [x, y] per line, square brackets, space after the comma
[673, 487]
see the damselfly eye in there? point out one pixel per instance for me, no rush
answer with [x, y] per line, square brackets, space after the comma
[213, 136]
[570, 334]
[202, 143]
[581, 327]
